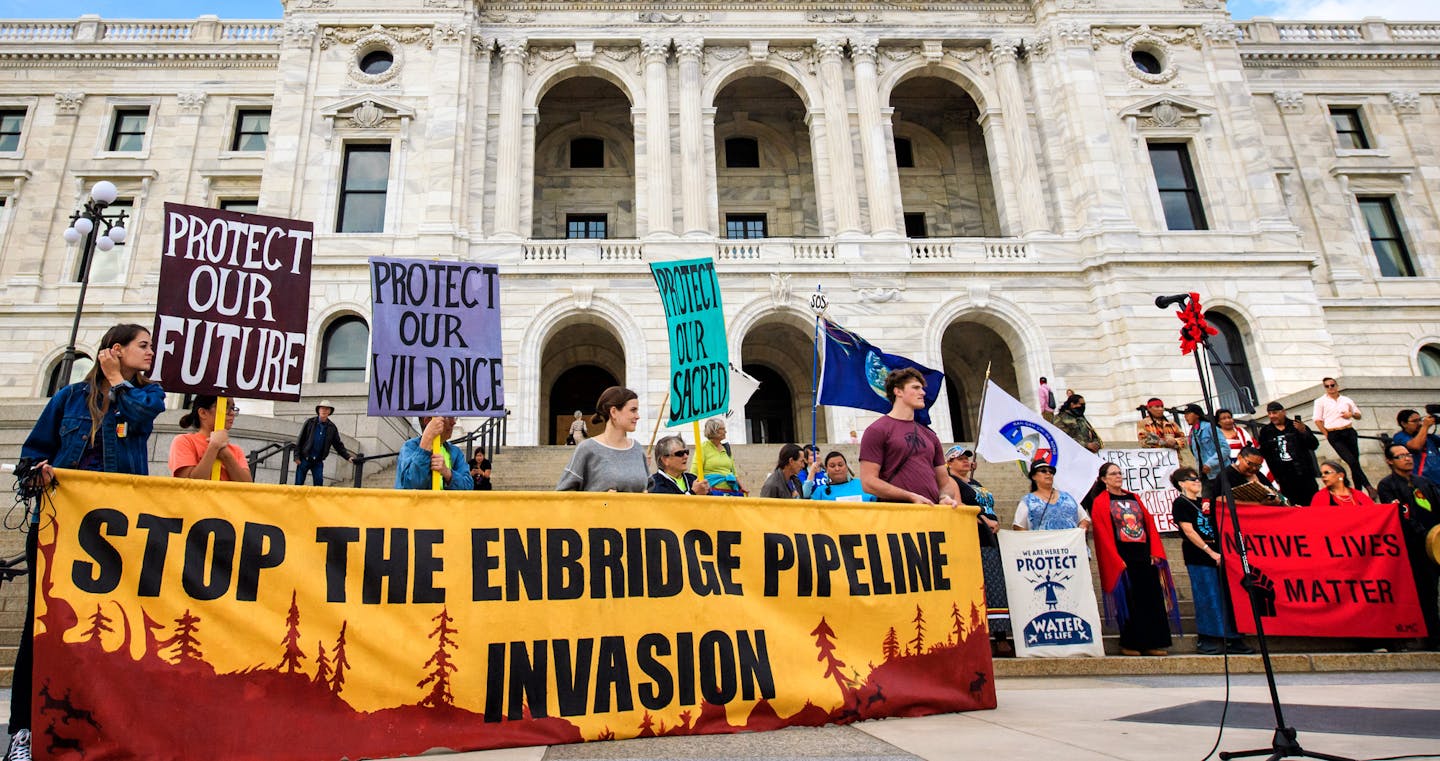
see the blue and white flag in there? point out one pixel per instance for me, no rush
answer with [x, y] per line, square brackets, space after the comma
[1052, 597]
[854, 374]
[1011, 431]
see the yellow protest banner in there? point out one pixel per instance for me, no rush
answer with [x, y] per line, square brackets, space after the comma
[190, 619]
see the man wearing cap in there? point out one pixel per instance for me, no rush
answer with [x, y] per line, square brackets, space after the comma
[1418, 499]
[1210, 451]
[317, 437]
[1287, 446]
[1157, 431]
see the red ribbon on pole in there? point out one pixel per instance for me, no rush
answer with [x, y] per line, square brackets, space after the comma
[1193, 326]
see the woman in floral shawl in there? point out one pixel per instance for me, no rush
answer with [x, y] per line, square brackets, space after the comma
[1139, 593]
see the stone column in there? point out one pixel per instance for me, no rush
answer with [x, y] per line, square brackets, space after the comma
[507, 162]
[837, 117]
[1022, 166]
[692, 138]
[656, 52]
[872, 139]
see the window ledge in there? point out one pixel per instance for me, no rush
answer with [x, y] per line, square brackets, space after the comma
[1378, 153]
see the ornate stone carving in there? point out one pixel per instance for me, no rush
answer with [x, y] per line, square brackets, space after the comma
[1166, 114]
[1004, 49]
[1171, 36]
[539, 56]
[585, 51]
[780, 288]
[583, 295]
[715, 56]
[878, 295]
[1405, 102]
[513, 50]
[1289, 101]
[659, 17]
[933, 51]
[300, 34]
[446, 32]
[830, 47]
[977, 58]
[1038, 48]
[1221, 33]
[312, 4]
[1070, 5]
[623, 54]
[190, 101]
[1072, 33]
[367, 115]
[804, 56]
[1153, 40]
[863, 48]
[69, 102]
[1204, 5]
[689, 48]
[355, 35]
[503, 17]
[482, 45]
[655, 48]
[841, 17]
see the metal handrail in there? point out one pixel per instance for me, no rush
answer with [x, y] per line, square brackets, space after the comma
[259, 456]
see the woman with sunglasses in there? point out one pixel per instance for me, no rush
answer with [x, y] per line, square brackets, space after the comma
[1338, 492]
[670, 477]
[1134, 573]
[1046, 508]
[1200, 547]
[193, 455]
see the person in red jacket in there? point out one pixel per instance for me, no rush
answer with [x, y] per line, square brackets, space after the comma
[1139, 593]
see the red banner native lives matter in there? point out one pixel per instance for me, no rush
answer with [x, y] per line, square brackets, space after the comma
[233, 303]
[1325, 572]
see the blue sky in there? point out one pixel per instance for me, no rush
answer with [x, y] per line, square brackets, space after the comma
[1332, 10]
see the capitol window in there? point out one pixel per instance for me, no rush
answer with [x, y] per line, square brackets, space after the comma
[345, 350]
[252, 129]
[587, 153]
[742, 153]
[12, 121]
[904, 153]
[1386, 238]
[1349, 129]
[127, 132]
[1179, 190]
[363, 184]
[1429, 360]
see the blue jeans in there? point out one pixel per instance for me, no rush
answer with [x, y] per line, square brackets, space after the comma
[315, 467]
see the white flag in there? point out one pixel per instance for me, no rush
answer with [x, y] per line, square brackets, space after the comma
[1051, 594]
[742, 387]
[1011, 431]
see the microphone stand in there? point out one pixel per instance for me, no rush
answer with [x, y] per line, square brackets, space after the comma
[1284, 743]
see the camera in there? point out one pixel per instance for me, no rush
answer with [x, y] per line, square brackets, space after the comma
[1433, 410]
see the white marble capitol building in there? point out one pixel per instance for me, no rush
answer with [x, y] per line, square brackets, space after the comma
[999, 182]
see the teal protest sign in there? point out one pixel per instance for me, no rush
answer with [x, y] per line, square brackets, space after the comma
[699, 355]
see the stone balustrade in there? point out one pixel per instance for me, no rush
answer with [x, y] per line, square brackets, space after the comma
[93, 29]
[779, 250]
[1370, 31]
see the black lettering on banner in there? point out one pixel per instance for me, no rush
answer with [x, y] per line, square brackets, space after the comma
[427, 565]
[606, 549]
[717, 668]
[572, 675]
[877, 566]
[527, 680]
[703, 578]
[664, 575]
[938, 560]
[157, 546]
[755, 670]
[482, 563]
[660, 690]
[199, 558]
[827, 561]
[612, 675]
[495, 682]
[727, 560]
[261, 546]
[528, 567]
[779, 556]
[685, 667]
[849, 544]
[103, 575]
[390, 569]
[337, 541]
[566, 577]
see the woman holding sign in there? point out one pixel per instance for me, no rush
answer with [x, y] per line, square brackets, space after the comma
[610, 461]
[1139, 595]
[102, 423]
[193, 455]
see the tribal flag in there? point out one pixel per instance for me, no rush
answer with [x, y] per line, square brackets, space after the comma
[1011, 431]
[854, 374]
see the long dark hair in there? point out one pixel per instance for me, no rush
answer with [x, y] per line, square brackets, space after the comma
[99, 399]
[1097, 487]
[615, 396]
[787, 453]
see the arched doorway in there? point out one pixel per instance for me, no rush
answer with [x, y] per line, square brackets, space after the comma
[782, 353]
[576, 389]
[584, 162]
[1236, 389]
[966, 350]
[582, 357]
[770, 413]
[764, 173]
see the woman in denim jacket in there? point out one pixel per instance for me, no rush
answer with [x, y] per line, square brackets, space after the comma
[102, 423]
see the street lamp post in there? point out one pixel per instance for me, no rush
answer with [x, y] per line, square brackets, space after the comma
[86, 223]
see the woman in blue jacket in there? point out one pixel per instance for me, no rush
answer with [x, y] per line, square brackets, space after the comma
[102, 423]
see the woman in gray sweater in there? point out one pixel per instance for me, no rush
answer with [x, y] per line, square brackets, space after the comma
[611, 461]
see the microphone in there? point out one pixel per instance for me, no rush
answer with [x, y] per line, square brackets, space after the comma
[1165, 302]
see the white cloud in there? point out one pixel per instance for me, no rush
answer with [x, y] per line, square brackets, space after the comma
[1354, 10]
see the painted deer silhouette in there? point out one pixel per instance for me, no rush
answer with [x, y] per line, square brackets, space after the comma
[979, 683]
[64, 706]
[878, 697]
[58, 743]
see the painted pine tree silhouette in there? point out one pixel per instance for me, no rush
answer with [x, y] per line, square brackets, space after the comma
[824, 640]
[290, 662]
[98, 623]
[341, 663]
[322, 665]
[646, 726]
[186, 644]
[891, 645]
[919, 621]
[958, 631]
[439, 676]
[977, 618]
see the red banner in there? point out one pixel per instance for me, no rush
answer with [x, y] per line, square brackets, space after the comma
[1325, 572]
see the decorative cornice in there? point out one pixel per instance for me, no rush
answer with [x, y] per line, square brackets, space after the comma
[299, 33]
[142, 58]
[1289, 101]
[1128, 35]
[69, 102]
[660, 17]
[403, 35]
[1297, 59]
[842, 17]
[1221, 33]
[506, 17]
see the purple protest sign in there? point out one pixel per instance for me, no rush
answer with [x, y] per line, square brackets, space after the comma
[435, 340]
[233, 303]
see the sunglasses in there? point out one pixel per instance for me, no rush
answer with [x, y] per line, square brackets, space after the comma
[680, 453]
[1329, 385]
[1038, 471]
[1190, 478]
